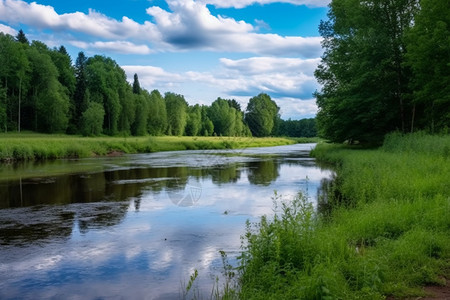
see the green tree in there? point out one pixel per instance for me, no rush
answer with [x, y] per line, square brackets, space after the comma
[261, 115]
[136, 85]
[48, 104]
[428, 45]
[21, 37]
[106, 82]
[142, 103]
[176, 108]
[80, 99]
[92, 119]
[21, 69]
[207, 126]
[223, 117]
[157, 113]
[365, 84]
[8, 65]
[3, 116]
[194, 120]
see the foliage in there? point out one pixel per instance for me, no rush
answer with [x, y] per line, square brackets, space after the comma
[385, 68]
[176, 108]
[261, 115]
[428, 56]
[157, 118]
[226, 118]
[92, 119]
[298, 128]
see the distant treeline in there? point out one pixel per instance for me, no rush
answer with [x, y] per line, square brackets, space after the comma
[41, 90]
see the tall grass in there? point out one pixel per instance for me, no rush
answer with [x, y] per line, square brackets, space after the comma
[388, 233]
[32, 146]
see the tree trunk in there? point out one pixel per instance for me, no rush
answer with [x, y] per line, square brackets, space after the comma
[20, 94]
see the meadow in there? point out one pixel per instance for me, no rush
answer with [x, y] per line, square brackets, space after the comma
[34, 146]
[382, 231]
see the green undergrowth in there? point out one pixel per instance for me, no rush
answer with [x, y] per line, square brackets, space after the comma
[32, 146]
[385, 229]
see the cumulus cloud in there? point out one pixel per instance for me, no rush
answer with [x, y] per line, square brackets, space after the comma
[8, 30]
[114, 46]
[94, 23]
[258, 65]
[245, 3]
[188, 25]
[294, 108]
[280, 77]
[152, 77]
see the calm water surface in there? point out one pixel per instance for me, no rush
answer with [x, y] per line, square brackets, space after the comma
[137, 226]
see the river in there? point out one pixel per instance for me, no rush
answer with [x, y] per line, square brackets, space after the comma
[137, 226]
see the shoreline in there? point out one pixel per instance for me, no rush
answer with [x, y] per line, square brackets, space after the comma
[15, 147]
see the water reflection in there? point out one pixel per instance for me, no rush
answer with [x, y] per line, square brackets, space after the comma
[123, 184]
[141, 225]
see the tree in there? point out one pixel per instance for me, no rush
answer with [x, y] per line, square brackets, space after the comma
[142, 103]
[21, 38]
[80, 101]
[107, 84]
[207, 126]
[194, 120]
[157, 113]
[176, 108]
[92, 119]
[48, 105]
[21, 69]
[136, 85]
[223, 117]
[261, 115]
[365, 84]
[428, 55]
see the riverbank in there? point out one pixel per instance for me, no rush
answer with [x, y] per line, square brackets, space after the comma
[383, 231]
[33, 146]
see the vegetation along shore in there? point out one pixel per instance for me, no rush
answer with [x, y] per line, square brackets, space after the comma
[34, 146]
[383, 230]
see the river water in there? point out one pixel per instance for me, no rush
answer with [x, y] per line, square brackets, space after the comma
[137, 226]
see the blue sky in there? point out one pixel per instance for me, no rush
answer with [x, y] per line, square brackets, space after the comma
[202, 49]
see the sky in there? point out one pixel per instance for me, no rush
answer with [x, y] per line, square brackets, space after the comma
[202, 49]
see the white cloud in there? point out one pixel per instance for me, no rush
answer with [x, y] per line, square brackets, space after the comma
[294, 108]
[258, 65]
[151, 77]
[8, 30]
[114, 46]
[94, 23]
[188, 25]
[244, 3]
[280, 77]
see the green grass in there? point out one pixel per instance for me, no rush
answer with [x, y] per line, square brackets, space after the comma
[33, 146]
[387, 232]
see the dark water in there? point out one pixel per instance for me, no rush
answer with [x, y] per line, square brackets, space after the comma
[137, 226]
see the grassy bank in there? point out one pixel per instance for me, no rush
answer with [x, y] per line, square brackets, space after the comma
[385, 232]
[32, 146]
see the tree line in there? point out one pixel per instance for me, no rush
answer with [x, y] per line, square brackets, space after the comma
[41, 90]
[385, 68]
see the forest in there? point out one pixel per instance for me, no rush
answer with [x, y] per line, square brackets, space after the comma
[41, 90]
[385, 68]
